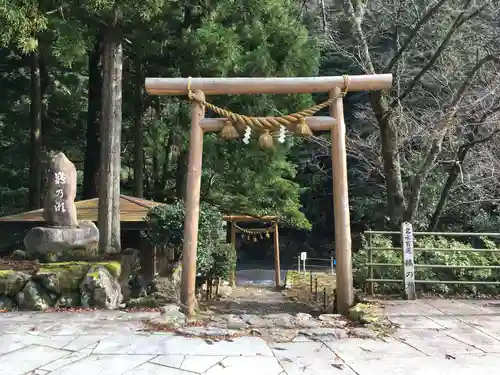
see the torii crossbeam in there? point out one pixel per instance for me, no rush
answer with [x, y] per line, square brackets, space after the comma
[335, 123]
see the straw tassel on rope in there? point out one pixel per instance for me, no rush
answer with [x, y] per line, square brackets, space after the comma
[229, 132]
[302, 129]
[266, 140]
[268, 124]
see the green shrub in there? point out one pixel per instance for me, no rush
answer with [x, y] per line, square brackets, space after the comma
[224, 261]
[166, 228]
[450, 258]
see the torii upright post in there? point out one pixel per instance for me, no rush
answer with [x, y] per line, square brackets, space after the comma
[296, 85]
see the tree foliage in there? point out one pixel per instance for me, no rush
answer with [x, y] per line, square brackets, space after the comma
[166, 229]
[426, 151]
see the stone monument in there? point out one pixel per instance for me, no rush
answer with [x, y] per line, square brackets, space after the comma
[59, 205]
[63, 234]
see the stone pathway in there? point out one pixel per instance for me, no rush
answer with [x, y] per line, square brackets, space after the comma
[256, 300]
[264, 312]
[435, 337]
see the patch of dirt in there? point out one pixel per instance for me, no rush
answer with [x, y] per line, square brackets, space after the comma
[316, 290]
[19, 265]
[256, 300]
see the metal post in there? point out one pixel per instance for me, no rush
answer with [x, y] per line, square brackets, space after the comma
[298, 263]
[408, 262]
[331, 265]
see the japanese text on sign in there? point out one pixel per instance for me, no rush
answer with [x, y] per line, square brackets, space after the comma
[59, 179]
[408, 262]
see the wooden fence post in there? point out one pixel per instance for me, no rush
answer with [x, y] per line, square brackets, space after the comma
[408, 263]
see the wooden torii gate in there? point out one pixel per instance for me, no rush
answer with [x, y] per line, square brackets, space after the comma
[197, 88]
[233, 221]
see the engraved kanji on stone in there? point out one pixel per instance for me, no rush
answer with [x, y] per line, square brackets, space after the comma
[59, 193]
[60, 178]
[59, 204]
[59, 207]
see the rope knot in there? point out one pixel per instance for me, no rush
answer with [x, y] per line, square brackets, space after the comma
[191, 95]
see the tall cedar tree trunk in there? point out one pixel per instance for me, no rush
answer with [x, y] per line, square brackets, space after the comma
[111, 127]
[35, 177]
[156, 167]
[182, 160]
[168, 158]
[92, 149]
[181, 175]
[138, 142]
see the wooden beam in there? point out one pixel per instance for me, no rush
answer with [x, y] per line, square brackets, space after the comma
[192, 217]
[271, 85]
[318, 123]
[341, 213]
[246, 218]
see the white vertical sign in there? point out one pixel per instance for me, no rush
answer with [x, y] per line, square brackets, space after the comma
[408, 262]
[303, 257]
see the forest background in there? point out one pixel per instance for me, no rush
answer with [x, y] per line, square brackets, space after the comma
[425, 151]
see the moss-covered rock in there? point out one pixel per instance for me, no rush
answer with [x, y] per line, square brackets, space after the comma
[65, 277]
[69, 300]
[100, 288]
[114, 267]
[33, 297]
[7, 304]
[11, 282]
[148, 301]
[19, 255]
[166, 289]
[62, 277]
[364, 313]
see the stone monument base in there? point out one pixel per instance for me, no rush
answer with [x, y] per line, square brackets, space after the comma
[60, 285]
[52, 244]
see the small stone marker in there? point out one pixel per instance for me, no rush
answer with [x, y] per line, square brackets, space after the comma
[59, 205]
[408, 261]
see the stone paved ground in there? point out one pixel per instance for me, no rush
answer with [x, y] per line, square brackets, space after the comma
[435, 337]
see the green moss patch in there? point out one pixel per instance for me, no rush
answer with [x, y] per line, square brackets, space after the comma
[65, 277]
[62, 277]
[4, 273]
[291, 277]
[114, 267]
[364, 313]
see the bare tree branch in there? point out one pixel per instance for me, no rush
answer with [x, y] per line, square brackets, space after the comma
[459, 21]
[442, 128]
[414, 32]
